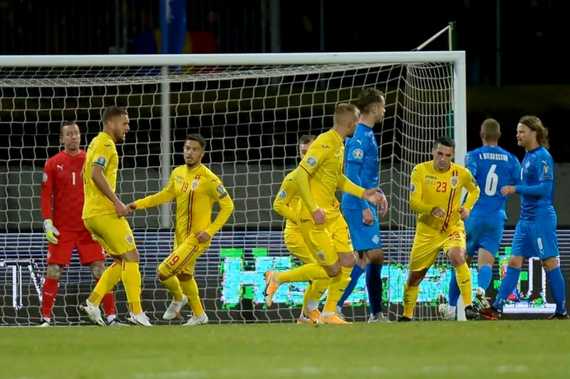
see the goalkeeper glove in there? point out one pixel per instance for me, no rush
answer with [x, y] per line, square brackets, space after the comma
[50, 231]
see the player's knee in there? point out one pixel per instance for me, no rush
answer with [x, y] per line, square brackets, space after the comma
[550, 264]
[53, 271]
[415, 277]
[183, 277]
[376, 256]
[131, 256]
[333, 270]
[163, 272]
[456, 257]
[347, 260]
[97, 269]
[516, 261]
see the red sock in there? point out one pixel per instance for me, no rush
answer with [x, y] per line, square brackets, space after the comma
[108, 303]
[49, 292]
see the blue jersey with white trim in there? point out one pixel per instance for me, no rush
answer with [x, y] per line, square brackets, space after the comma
[493, 168]
[361, 164]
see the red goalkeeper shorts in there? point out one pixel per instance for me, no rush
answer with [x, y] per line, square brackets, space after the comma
[89, 250]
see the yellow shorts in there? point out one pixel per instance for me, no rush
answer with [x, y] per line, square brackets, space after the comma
[183, 259]
[328, 240]
[428, 243]
[112, 232]
[297, 245]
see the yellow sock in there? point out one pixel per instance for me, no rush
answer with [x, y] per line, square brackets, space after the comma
[314, 292]
[336, 288]
[310, 271]
[132, 282]
[106, 283]
[410, 297]
[463, 276]
[172, 284]
[190, 289]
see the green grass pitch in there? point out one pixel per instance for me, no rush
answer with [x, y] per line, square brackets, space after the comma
[503, 349]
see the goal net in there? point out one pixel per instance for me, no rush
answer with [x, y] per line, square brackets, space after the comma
[252, 110]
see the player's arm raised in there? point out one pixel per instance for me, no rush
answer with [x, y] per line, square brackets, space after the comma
[167, 194]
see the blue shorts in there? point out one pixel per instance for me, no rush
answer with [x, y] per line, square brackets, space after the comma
[364, 237]
[536, 238]
[484, 233]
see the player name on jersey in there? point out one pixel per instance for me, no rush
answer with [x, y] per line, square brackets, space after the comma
[494, 157]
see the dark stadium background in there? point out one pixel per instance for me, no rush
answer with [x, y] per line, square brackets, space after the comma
[514, 47]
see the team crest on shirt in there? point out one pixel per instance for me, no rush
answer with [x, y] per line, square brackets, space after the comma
[357, 154]
[412, 187]
[129, 239]
[312, 161]
[376, 239]
[321, 255]
[195, 183]
[282, 194]
[454, 181]
[221, 191]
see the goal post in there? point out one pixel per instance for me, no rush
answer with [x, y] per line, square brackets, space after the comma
[251, 108]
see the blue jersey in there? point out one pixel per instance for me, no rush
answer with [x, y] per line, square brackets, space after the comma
[361, 164]
[537, 187]
[493, 168]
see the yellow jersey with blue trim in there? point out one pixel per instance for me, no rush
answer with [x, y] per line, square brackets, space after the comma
[102, 152]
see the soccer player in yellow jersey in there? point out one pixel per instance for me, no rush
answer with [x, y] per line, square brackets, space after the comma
[104, 217]
[324, 229]
[435, 196]
[196, 189]
[286, 204]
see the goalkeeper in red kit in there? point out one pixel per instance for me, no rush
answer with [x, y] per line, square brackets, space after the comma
[62, 204]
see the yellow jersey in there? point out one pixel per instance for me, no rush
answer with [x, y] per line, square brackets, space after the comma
[431, 188]
[101, 152]
[324, 162]
[196, 190]
[287, 202]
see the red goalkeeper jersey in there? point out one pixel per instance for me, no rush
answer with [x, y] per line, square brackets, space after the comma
[62, 191]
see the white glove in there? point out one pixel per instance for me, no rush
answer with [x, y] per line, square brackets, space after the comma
[50, 231]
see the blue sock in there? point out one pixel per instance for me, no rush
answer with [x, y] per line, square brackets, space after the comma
[558, 289]
[508, 285]
[374, 287]
[484, 276]
[454, 292]
[354, 276]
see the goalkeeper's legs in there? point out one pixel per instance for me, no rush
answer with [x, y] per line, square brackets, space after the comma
[49, 291]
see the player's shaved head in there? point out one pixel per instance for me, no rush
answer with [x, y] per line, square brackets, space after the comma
[345, 113]
[70, 136]
[111, 112]
[490, 130]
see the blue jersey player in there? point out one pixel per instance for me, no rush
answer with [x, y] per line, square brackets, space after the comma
[535, 233]
[362, 166]
[493, 168]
